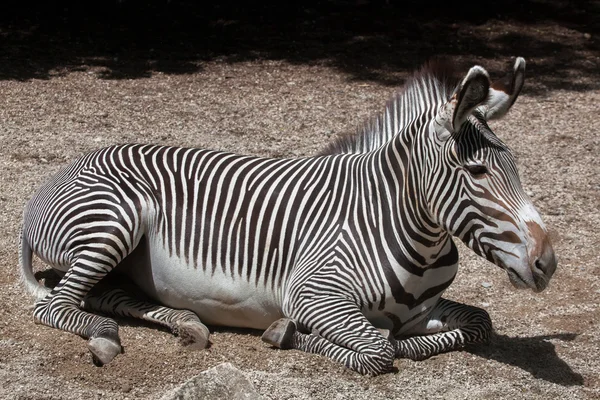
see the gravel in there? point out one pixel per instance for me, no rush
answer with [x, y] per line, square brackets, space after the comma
[545, 346]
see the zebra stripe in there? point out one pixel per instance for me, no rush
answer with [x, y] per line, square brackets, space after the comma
[335, 243]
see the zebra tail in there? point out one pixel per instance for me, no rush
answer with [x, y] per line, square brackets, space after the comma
[27, 278]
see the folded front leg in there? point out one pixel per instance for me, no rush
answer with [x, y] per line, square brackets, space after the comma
[339, 331]
[449, 326]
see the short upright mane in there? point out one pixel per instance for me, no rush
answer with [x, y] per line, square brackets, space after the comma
[437, 76]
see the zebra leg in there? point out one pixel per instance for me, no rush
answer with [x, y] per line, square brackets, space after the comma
[339, 331]
[184, 323]
[60, 308]
[449, 326]
[281, 333]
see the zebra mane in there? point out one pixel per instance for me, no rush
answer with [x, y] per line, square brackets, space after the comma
[437, 75]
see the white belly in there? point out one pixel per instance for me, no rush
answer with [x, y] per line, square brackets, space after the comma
[217, 298]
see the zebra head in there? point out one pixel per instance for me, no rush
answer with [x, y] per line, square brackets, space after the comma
[481, 200]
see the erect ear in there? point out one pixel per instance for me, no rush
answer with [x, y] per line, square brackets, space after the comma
[471, 92]
[503, 93]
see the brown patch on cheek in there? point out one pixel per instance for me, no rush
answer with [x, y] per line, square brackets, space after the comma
[541, 240]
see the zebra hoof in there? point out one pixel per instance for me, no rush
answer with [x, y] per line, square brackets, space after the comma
[280, 334]
[193, 335]
[103, 350]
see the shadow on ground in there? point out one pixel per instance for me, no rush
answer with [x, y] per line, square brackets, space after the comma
[378, 41]
[536, 354]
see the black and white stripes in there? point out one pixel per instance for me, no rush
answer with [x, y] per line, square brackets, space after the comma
[341, 243]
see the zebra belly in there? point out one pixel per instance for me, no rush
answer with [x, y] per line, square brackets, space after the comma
[217, 298]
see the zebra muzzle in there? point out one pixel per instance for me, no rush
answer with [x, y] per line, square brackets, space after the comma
[543, 258]
[543, 268]
[535, 276]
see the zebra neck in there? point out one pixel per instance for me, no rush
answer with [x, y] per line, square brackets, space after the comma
[395, 202]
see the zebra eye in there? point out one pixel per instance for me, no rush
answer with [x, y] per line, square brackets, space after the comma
[477, 170]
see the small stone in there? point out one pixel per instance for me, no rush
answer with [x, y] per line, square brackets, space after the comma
[126, 387]
[221, 382]
[486, 285]
[485, 304]
[587, 36]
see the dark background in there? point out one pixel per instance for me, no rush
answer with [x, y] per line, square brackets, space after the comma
[369, 40]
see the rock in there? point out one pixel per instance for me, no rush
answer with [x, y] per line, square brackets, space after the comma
[221, 382]
[126, 387]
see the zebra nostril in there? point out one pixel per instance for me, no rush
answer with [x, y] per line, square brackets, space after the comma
[546, 264]
[540, 266]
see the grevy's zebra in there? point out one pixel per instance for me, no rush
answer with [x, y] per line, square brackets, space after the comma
[319, 250]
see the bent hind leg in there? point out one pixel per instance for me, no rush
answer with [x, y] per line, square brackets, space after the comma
[184, 323]
[60, 308]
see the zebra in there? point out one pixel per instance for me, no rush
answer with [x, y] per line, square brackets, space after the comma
[345, 254]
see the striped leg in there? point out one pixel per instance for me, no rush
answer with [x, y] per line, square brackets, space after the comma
[60, 308]
[184, 323]
[340, 332]
[449, 326]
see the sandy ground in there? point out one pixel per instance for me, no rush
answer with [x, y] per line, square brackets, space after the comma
[546, 345]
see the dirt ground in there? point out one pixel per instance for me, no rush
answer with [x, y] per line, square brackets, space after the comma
[275, 83]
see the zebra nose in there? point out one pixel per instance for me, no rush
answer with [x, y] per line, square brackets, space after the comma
[546, 263]
[544, 266]
[541, 254]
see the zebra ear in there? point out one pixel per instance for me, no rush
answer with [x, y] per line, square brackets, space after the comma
[472, 91]
[503, 93]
